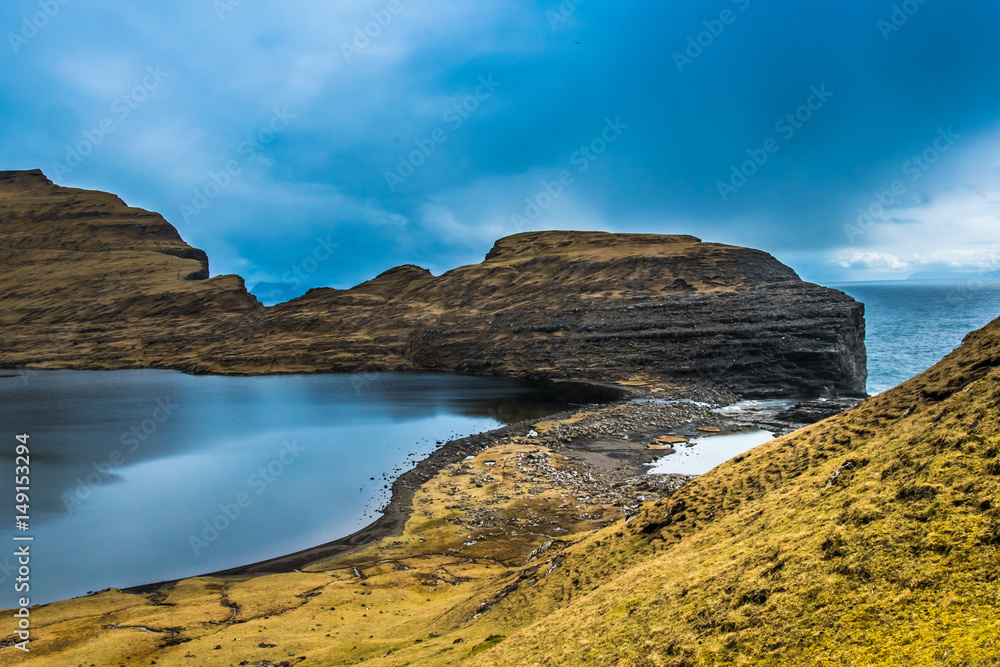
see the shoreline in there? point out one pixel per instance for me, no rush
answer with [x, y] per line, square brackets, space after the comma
[682, 383]
[398, 508]
[617, 462]
[394, 516]
[400, 505]
[596, 448]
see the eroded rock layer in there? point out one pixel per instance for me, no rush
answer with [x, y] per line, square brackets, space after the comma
[89, 282]
[869, 538]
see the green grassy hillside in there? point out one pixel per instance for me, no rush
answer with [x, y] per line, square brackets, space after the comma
[868, 539]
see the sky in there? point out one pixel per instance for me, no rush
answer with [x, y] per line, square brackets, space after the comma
[306, 143]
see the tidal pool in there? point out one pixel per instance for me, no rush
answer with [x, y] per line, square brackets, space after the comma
[704, 453]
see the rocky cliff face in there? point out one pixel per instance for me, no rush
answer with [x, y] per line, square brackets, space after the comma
[870, 538]
[90, 282]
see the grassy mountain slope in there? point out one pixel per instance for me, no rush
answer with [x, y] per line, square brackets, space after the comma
[869, 538]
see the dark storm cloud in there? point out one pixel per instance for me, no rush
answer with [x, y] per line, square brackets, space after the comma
[410, 132]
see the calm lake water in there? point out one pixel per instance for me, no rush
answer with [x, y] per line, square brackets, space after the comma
[129, 467]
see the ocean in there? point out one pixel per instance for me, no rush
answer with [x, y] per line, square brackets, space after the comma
[911, 325]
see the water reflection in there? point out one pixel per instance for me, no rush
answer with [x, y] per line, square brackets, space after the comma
[128, 466]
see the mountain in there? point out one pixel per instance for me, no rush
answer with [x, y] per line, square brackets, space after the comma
[969, 277]
[89, 282]
[870, 538]
[940, 275]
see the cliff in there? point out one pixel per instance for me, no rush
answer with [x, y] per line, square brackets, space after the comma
[89, 282]
[870, 538]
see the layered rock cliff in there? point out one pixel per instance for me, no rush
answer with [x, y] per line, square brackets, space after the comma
[90, 282]
[870, 538]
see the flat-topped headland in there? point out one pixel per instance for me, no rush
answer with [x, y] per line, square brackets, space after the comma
[90, 282]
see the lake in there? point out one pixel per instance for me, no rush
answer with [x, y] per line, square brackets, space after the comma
[706, 452]
[145, 475]
[142, 476]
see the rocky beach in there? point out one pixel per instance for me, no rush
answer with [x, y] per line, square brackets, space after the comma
[482, 505]
[604, 451]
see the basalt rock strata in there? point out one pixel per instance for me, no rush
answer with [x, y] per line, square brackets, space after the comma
[89, 282]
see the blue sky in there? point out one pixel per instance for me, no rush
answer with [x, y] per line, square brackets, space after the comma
[317, 143]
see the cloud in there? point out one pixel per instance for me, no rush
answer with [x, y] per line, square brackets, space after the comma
[358, 111]
[874, 261]
[880, 265]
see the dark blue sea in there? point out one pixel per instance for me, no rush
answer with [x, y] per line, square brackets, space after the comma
[911, 325]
